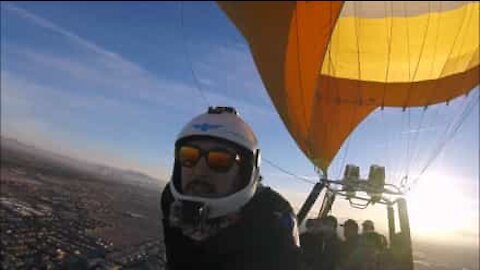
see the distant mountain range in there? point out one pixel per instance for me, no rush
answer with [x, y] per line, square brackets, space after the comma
[14, 150]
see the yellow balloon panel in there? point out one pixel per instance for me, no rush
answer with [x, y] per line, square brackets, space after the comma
[403, 48]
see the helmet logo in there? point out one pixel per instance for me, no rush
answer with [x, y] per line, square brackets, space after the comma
[206, 126]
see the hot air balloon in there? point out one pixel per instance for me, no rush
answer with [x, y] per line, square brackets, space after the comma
[328, 65]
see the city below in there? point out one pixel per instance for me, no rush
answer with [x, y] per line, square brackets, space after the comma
[57, 213]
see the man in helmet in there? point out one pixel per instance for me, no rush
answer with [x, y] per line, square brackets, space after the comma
[216, 214]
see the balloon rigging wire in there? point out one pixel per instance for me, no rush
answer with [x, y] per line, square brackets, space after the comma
[289, 173]
[188, 57]
[451, 130]
[412, 79]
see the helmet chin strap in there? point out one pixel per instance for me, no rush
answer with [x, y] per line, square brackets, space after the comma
[188, 215]
[192, 219]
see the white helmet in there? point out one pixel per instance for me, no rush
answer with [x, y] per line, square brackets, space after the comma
[223, 123]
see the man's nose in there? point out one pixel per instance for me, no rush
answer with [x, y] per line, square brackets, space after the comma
[201, 168]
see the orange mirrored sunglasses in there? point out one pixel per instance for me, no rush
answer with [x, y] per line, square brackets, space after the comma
[220, 160]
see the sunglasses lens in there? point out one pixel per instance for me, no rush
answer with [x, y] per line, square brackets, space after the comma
[221, 161]
[188, 156]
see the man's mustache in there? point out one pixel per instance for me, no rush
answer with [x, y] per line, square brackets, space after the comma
[200, 187]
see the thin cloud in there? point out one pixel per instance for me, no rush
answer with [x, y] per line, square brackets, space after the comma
[418, 130]
[106, 68]
[59, 30]
[112, 70]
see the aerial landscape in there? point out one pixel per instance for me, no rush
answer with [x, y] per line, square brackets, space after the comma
[57, 212]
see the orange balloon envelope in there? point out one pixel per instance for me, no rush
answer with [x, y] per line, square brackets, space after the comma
[328, 65]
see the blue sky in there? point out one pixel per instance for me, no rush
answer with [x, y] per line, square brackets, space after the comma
[112, 83]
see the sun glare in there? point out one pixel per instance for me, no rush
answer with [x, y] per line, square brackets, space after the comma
[437, 208]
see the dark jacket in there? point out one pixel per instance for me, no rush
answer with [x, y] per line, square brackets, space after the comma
[368, 251]
[374, 240]
[318, 252]
[349, 245]
[263, 238]
[349, 258]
